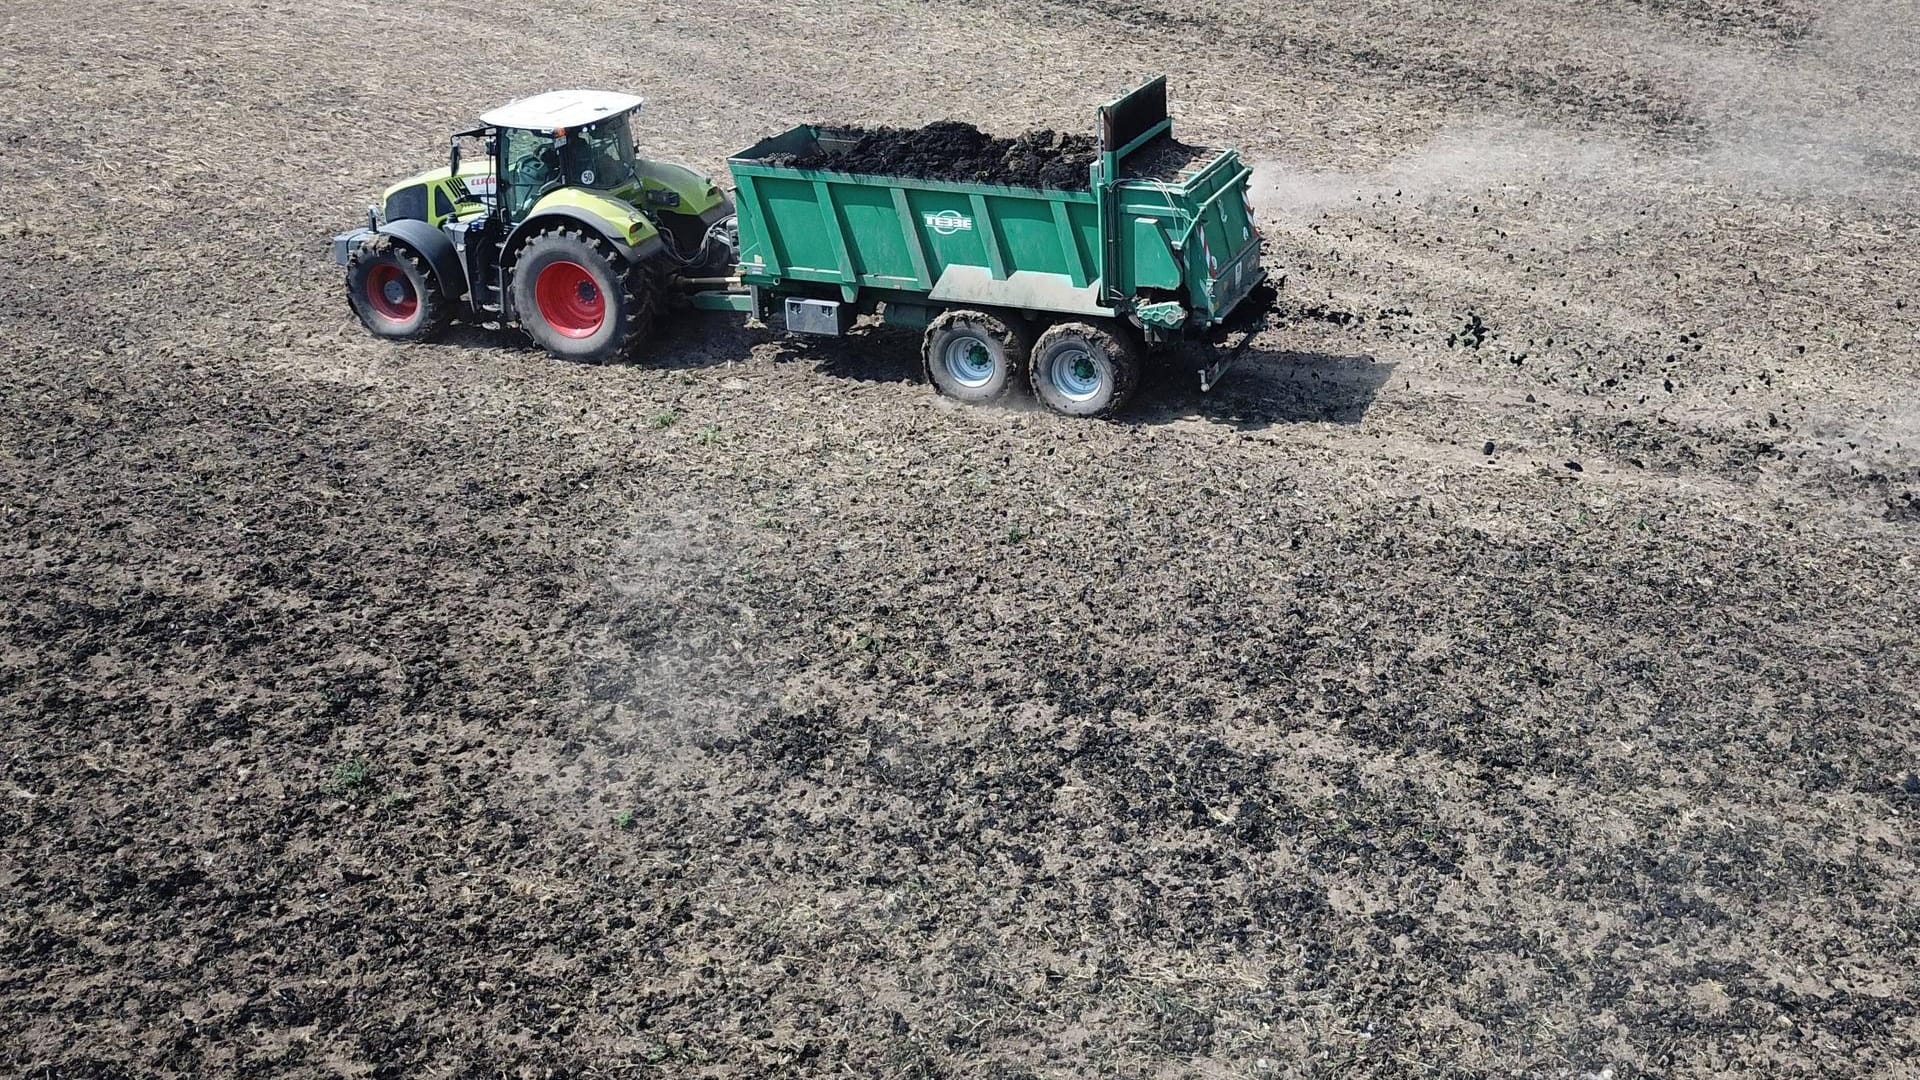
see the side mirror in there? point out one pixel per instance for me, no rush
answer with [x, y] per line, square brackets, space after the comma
[453, 159]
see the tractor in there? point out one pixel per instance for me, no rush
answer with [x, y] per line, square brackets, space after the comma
[560, 226]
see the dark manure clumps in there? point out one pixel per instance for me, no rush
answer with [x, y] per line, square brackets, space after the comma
[952, 151]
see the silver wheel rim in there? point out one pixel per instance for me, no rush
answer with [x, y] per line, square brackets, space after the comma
[968, 361]
[1074, 373]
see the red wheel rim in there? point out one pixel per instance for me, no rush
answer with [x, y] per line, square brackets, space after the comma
[569, 299]
[390, 293]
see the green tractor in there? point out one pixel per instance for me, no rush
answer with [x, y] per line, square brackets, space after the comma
[561, 227]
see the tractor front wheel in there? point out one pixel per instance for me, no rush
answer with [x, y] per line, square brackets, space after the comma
[580, 301]
[393, 291]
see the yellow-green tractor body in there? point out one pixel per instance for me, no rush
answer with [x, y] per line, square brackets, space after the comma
[559, 226]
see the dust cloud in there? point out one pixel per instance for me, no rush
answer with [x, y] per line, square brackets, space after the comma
[1457, 161]
[1836, 115]
[672, 665]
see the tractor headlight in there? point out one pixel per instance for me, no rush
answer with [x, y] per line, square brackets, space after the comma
[660, 197]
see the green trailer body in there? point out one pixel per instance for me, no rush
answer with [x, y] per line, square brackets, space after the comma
[1173, 255]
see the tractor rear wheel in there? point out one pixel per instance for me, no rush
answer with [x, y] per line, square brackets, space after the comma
[975, 356]
[393, 291]
[1085, 368]
[581, 301]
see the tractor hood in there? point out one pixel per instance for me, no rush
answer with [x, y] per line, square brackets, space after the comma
[691, 193]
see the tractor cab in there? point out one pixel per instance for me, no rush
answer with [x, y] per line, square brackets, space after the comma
[566, 138]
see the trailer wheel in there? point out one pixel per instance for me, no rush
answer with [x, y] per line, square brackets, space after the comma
[1085, 369]
[393, 291]
[975, 356]
[580, 301]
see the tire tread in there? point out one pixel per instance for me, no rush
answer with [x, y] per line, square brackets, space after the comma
[1121, 347]
[381, 247]
[639, 282]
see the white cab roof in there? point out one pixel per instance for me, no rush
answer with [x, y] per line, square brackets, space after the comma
[560, 109]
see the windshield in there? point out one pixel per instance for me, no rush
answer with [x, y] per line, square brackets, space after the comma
[600, 155]
[531, 168]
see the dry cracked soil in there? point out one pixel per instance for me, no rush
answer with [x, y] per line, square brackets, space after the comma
[1511, 671]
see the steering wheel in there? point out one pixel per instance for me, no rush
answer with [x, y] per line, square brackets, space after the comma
[535, 169]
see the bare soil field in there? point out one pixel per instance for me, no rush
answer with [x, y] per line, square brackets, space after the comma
[1510, 671]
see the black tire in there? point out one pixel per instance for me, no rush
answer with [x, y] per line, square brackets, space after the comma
[580, 300]
[393, 291]
[1085, 368]
[975, 356]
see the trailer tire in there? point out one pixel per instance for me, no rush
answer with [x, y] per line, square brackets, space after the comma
[393, 291]
[975, 356]
[1085, 368]
[582, 301]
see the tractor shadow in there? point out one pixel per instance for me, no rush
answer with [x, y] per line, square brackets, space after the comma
[461, 334]
[687, 341]
[690, 340]
[1265, 388]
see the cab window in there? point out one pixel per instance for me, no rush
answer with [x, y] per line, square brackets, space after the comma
[531, 166]
[600, 155]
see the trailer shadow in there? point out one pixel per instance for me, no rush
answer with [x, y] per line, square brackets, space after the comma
[463, 334]
[869, 354]
[1266, 387]
[879, 354]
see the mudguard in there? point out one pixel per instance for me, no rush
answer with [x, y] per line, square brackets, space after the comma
[594, 226]
[433, 246]
[619, 223]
